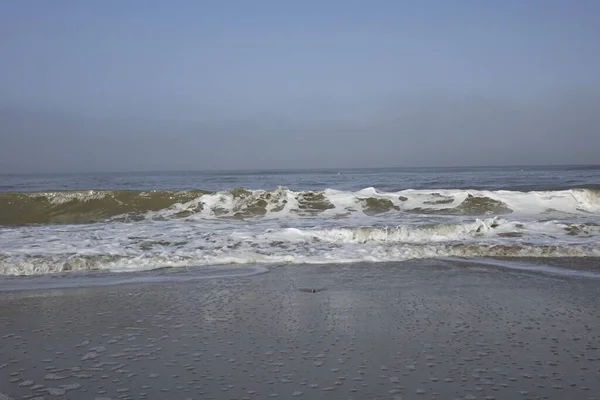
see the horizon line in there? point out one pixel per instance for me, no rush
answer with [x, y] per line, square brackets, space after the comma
[312, 169]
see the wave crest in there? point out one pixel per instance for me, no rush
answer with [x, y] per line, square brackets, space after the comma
[70, 207]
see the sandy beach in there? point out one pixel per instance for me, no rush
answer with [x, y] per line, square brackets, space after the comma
[414, 330]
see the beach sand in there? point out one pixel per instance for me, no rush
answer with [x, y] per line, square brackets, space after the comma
[414, 330]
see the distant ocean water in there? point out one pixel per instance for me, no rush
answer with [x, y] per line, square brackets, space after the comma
[140, 221]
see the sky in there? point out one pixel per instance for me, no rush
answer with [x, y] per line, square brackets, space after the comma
[148, 85]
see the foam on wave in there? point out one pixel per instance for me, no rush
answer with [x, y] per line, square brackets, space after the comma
[243, 204]
[31, 250]
[31, 265]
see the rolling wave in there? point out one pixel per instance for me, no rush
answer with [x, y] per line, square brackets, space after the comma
[72, 207]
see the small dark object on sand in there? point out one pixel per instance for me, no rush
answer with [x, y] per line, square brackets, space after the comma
[311, 290]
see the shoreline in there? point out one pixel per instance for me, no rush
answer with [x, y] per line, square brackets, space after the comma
[425, 329]
[573, 267]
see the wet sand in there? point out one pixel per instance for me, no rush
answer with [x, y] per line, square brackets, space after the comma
[416, 330]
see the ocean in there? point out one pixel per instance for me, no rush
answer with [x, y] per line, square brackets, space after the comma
[132, 222]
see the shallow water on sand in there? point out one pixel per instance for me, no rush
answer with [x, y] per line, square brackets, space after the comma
[420, 329]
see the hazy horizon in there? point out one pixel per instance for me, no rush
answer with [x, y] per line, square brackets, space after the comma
[582, 167]
[144, 86]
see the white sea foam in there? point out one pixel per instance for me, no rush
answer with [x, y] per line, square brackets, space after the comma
[286, 203]
[173, 243]
[283, 226]
[52, 264]
[62, 197]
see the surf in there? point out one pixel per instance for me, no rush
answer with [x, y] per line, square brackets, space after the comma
[94, 206]
[34, 250]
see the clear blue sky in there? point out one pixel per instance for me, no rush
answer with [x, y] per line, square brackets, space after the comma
[122, 85]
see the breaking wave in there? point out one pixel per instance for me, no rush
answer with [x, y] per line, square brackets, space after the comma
[129, 230]
[71, 207]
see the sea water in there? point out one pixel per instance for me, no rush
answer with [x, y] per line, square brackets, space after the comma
[141, 221]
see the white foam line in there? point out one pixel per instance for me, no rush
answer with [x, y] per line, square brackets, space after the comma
[529, 267]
